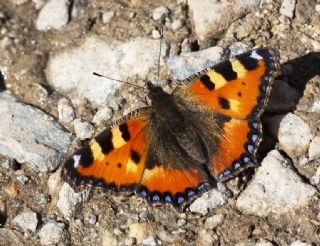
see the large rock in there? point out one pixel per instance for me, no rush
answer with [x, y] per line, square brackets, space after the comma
[70, 71]
[30, 136]
[274, 189]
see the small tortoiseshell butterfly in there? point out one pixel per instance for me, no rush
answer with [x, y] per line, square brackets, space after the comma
[206, 131]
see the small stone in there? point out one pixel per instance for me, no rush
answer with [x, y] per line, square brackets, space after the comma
[68, 200]
[312, 44]
[160, 12]
[287, 8]
[107, 16]
[10, 237]
[51, 233]
[299, 243]
[42, 198]
[206, 238]
[156, 34]
[209, 200]
[275, 189]
[102, 116]
[65, 110]
[26, 221]
[213, 221]
[294, 135]
[317, 8]
[315, 179]
[138, 231]
[6, 164]
[91, 218]
[54, 183]
[315, 108]
[53, 15]
[39, 3]
[19, 2]
[181, 222]
[314, 149]
[176, 25]
[83, 130]
[23, 179]
[150, 241]
[108, 239]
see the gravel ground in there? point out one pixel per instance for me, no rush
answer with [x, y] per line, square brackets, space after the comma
[50, 103]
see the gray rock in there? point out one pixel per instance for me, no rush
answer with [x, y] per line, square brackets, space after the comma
[275, 189]
[315, 179]
[314, 149]
[68, 200]
[26, 221]
[102, 116]
[210, 18]
[70, 72]
[287, 8]
[209, 200]
[160, 12]
[51, 233]
[107, 16]
[10, 237]
[65, 110]
[294, 135]
[30, 136]
[183, 66]
[213, 221]
[83, 130]
[150, 241]
[315, 108]
[23, 179]
[238, 48]
[176, 25]
[53, 15]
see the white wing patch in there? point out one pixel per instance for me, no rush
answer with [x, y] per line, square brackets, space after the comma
[255, 55]
[76, 160]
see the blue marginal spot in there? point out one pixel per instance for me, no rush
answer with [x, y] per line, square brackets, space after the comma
[200, 186]
[167, 198]
[190, 192]
[250, 148]
[180, 199]
[255, 125]
[236, 165]
[254, 137]
[155, 198]
[246, 159]
[144, 193]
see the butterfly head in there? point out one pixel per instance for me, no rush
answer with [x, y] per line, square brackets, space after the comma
[155, 92]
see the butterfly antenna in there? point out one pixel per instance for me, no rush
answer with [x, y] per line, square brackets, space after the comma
[161, 37]
[121, 81]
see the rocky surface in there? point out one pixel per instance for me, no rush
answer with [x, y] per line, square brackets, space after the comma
[48, 52]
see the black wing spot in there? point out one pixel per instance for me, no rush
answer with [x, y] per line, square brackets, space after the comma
[248, 62]
[239, 94]
[135, 156]
[119, 165]
[224, 103]
[107, 163]
[86, 159]
[125, 132]
[205, 79]
[225, 69]
[243, 83]
[105, 141]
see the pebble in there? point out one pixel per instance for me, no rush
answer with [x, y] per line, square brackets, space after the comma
[160, 12]
[121, 61]
[206, 238]
[102, 116]
[109, 239]
[314, 149]
[53, 15]
[65, 110]
[19, 2]
[107, 16]
[26, 221]
[294, 135]
[287, 8]
[156, 34]
[51, 233]
[138, 231]
[176, 25]
[299, 243]
[23, 179]
[54, 183]
[312, 44]
[275, 189]
[68, 200]
[315, 179]
[150, 241]
[315, 108]
[42, 146]
[213, 221]
[209, 16]
[183, 66]
[10, 237]
[83, 130]
[209, 200]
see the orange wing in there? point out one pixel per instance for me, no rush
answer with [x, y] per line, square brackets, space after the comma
[238, 88]
[115, 159]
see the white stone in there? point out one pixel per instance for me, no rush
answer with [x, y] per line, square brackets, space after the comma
[315, 179]
[150, 241]
[51, 233]
[299, 243]
[176, 24]
[65, 111]
[138, 231]
[315, 108]
[314, 149]
[102, 116]
[30, 136]
[109, 239]
[54, 183]
[26, 221]
[70, 71]
[53, 15]
[213, 221]
[275, 189]
[83, 130]
[294, 135]
[19, 2]
[160, 12]
[210, 17]
[206, 238]
[156, 34]
[287, 8]
[209, 200]
[68, 200]
[107, 16]
[187, 64]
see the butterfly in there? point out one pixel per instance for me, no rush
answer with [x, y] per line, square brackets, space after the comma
[207, 131]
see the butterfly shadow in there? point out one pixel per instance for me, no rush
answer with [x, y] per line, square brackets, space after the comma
[287, 90]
